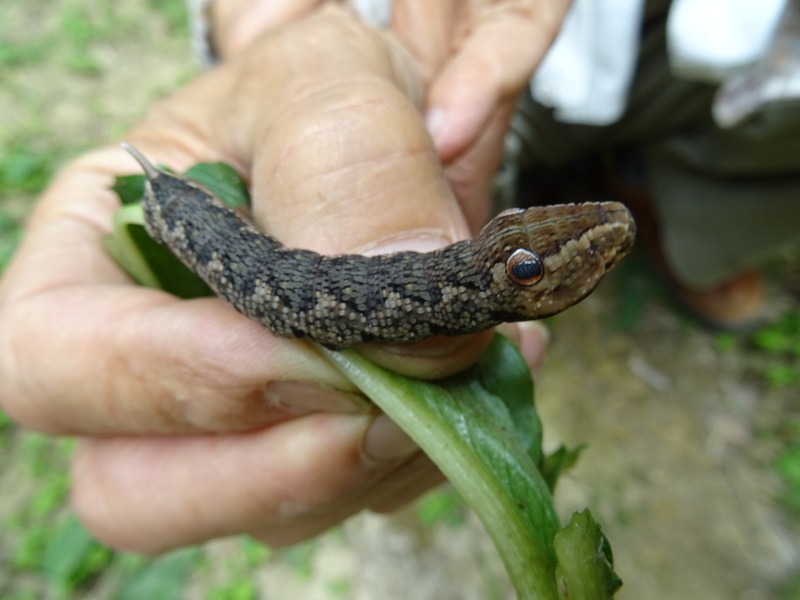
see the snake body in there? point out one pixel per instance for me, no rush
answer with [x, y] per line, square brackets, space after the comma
[523, 265]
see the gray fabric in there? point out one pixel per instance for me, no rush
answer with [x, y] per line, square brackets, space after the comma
[724, 198]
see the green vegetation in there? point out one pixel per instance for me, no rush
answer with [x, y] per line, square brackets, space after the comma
[773, 350]
[780, 343]
[75, 37]
[300, 557]
[23, 173]
[787, 465]
[23, 170]
[444, 506]
[773, 353]
[778, 348]
[41, 536]
[46, 548]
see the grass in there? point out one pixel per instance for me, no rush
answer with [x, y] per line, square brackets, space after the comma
[787, 465]
[44, 550]
[444, 506]
[779, 344]
[24, 170]
[775, 353]
[68, 42]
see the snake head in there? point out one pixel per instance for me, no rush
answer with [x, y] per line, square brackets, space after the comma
[546, 258]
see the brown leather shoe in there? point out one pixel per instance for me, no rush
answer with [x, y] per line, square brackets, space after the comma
[734, 305]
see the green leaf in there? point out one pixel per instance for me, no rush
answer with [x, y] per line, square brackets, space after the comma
[122, 247]
[10, 237]
[782, 375]
[772, 340]
[441, 506]
[164, 578]
[557, 463]
[469, 432]
[129, 188]
[51, 496]
[148, 262]
[23, 53]
[502, 371]
[585, 563]
[254, 552]
[28, 553]
[175, 13]
[787, 465]
[23, 169]
[234, 590]
[168, 270]
[222, 181]
[340, 587]
[73, 555]
[725, 342]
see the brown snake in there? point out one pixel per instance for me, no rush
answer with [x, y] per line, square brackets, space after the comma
[523, 265]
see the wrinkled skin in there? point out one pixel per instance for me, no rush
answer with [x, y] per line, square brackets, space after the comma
[193, 421]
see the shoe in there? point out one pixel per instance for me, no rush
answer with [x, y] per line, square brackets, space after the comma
[734, 305]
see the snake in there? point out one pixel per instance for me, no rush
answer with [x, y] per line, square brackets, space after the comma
[524, 264]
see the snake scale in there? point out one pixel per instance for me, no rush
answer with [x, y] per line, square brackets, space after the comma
[523, 265]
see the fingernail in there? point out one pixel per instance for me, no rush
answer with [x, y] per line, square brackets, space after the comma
[418, 240]
[536, 328]
[434, 121]
[386, 442]
[301, 397]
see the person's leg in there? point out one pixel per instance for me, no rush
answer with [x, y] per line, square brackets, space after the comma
[715, 201]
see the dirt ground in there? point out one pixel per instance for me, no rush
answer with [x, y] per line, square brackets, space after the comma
[677, 469]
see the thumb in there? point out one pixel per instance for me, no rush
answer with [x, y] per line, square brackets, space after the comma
[323, 118]
[348, 167]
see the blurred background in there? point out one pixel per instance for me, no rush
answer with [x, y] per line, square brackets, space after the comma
[693, 459]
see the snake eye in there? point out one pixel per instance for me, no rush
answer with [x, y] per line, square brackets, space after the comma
[524, 267]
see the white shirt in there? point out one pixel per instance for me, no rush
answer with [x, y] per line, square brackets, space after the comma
[751, 47]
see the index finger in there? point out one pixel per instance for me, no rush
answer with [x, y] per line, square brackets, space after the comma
[497, 47]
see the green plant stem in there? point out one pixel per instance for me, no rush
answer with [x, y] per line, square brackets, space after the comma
[525, 548]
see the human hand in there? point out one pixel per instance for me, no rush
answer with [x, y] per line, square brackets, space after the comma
[195, 422]
[475, 56]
